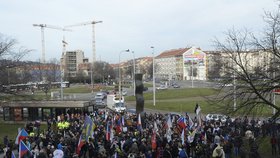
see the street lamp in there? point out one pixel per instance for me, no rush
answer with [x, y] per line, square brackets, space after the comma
[154, 83]
[8, 69]
[234, 91]
[120, 91]
[234, 76]
[133, 73]
[192, 66]
[234, 82]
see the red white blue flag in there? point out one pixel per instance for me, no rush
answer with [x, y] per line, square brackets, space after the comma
[181, 122]
[80, 145]
[108, 131]
[23, 149]
[21, 136]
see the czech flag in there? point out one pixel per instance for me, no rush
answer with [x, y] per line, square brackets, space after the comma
[23, 149]
[119, 126]
[181, 122]
[21, 135]
[80, 145]
[108, 131]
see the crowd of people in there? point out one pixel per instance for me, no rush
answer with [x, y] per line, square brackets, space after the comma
[147, 135]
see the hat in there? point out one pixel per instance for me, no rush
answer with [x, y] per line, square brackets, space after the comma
[134, 140]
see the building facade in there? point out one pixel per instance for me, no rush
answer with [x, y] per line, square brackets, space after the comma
[181, 64]
[194, 64]
[169, 64]
[70, 62]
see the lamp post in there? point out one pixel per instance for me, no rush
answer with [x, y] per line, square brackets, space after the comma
[234, 82]
[133, 73]
[234, 91]
[192, 66]
[61, 84]
[154, 82]
[120, 84]
[274, 74]
[8, 69]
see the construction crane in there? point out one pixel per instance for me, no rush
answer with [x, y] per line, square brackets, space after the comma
[93, 43]
[43, 26]
[93, 35]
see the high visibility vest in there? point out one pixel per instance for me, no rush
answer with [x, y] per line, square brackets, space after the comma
[60, 125]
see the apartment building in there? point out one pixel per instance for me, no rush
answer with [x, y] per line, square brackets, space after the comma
[220, 63]
[181, 64]
[70, 62]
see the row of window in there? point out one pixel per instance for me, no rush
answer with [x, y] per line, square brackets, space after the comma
[34, 113]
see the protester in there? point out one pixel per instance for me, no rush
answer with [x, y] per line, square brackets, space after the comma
[104, 133]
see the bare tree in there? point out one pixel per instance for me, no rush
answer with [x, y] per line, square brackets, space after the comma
[102, 70]
[81, 77]
[9, 53]
[53, 71]
[250, 66]
[215, 70]
[10, 56]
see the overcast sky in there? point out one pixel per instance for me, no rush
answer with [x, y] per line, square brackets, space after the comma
[127, 24]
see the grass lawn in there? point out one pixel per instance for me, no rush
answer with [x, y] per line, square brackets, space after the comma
[177, 94]
[184, 100]
[83, 89]
[11, 130]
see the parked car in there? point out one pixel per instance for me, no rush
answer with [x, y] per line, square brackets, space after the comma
[100, 95]
[174, 114]
[162, 87]
[100, 103]
[124, 93]
[145, 88]
[277, 120]
[105, 93]
[176, 86]
[131, 111]
[217, 117]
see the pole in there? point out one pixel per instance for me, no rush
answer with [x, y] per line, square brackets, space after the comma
[120, 77]
[192, 72]
[61, 68]
[120, 81]
[91, 76]
[43, 44]
[133, 73]
[8, 69]
[234, 82]
[234, 91]
[154, 82]
[192, 67]
[274, 96]
[61, 85]
[93, 56]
